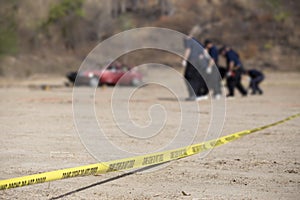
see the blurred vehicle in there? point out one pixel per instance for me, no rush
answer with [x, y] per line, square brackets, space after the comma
[111, 75]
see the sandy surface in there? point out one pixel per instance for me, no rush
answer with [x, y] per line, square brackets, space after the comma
[38, 135]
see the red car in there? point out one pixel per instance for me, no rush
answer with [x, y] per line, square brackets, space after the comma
[111, 75]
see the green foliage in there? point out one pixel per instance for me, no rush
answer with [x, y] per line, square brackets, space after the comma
[279, 14]
[268, 45]
[8, 28]
[126, 22]
[274, 3]
[65, 8]
[65, 16]
[8, 41]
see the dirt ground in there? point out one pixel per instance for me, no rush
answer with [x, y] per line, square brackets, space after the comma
[38, 135]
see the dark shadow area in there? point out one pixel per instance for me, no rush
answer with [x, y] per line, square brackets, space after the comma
[105, 181]
[169, 99]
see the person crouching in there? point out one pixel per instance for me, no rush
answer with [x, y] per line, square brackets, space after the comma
[256, 77]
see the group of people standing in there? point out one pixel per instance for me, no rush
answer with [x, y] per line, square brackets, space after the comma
[202, 71]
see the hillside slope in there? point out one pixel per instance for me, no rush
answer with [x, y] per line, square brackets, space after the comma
[54, 36]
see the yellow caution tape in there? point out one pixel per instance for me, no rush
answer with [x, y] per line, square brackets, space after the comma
[130, 163]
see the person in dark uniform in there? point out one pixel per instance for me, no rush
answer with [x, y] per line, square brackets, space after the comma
[212, 50]
[256, 77]
[234, 71]
[214, 53]
[214, 73]
[193, 74]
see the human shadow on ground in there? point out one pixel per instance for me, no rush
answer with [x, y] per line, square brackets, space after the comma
[105, 181]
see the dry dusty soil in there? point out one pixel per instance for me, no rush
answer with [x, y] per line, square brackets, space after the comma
[38, 134]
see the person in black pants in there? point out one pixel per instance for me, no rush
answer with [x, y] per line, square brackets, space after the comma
[234, 71]
[256, 77]
[197, 87]
[195, 63]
